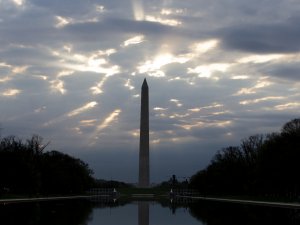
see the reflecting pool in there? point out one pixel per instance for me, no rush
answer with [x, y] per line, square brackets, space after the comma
[143, 212]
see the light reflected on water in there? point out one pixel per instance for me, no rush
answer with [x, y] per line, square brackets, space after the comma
[129, 212]
[143, 213]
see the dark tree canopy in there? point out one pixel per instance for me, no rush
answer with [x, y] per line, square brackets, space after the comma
[26, 169]
[292, 127]
[261, 165]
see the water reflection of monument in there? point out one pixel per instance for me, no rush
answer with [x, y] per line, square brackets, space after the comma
[143, 213]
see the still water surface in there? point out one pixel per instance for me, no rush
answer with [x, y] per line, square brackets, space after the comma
[108, 212]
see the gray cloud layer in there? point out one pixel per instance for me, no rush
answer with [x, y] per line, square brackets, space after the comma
[218, 72]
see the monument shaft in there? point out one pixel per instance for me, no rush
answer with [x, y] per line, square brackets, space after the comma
[144, 138]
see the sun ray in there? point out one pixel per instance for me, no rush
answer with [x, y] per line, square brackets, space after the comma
[258, 100]
[288, 106]
[133, 41]
[153, 67]
[62, 21]
[82, 109]
[19, 2]
[108, 120]
[97, 89]
[104, 124]
[72, 113]
[58, 86]
[138, 9]
[11, 92]
[169, 22]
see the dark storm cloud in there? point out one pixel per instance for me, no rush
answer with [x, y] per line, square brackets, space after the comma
[278, 37]
[84, 80]
[110, 26]
[28, 83]
[287, 71]
[15, 55]
[67, 8]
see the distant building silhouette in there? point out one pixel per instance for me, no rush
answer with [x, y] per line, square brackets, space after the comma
[144, 173]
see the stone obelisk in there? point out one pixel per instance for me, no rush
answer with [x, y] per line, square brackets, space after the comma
[144, 138]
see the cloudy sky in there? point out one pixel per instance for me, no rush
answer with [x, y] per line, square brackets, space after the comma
[218, 71]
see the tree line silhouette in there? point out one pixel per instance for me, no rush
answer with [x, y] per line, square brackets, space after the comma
[263, 165]
[25, 168]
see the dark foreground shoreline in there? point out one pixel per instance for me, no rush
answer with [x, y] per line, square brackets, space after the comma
[39, 199]
[294, 205]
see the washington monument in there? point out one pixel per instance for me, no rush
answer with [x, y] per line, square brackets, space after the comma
[144, 138]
